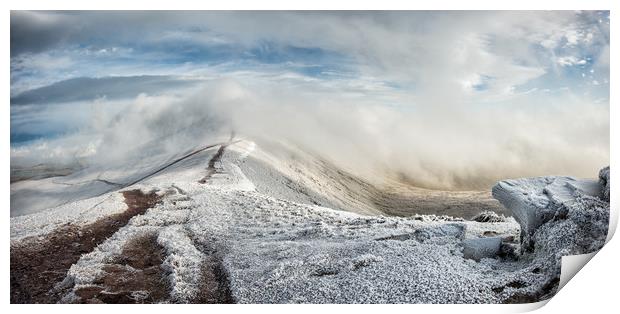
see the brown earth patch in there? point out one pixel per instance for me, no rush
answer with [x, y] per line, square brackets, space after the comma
[215, 288]
[38, 265]
[137, 276]
[547, 292]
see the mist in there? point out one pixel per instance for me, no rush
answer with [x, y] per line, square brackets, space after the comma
[430, 146]
[453, 100]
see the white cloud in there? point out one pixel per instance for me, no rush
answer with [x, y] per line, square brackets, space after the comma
[570, 61]
[434, 146]
[405, 106]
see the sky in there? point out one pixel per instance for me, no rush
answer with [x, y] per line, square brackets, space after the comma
[441, 99]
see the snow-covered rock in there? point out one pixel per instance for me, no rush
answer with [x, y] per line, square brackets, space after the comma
[535, 201]
[488, 216]
[454, 230]
[603, 176]
[480, 248]
[559, 216]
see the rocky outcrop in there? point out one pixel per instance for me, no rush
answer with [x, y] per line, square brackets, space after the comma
[558, 216]
[535, 201]
[603, 179]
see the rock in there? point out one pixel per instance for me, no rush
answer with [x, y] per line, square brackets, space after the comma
[564, 191]
[397, 237]
[586, 187]
[527, 203]
[480, 248]
[448, 230]
[535, 201]
[507, 250]
[490, 233]
[488, 216]
[603, 176]
[508, 239]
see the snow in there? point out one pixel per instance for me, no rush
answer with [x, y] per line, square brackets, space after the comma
[275, 246]
[287, 172]
[604, 181]
[535, 201]
[81, 212]
[31, 196]
[488, 216]
[480, 248]
[90, 266]
[183, 263]
[528, 202]
[576, 222]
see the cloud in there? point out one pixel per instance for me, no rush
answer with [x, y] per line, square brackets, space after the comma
[85, 88]
[36, 31]
[443, 99]
[436, 147]
[438, 49]
[570, 61]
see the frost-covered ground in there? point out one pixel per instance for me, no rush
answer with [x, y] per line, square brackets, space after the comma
[234, 220]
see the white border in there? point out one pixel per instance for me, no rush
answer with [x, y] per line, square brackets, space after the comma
[593, 289]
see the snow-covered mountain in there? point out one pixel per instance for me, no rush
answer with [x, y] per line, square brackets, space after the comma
[235, 220]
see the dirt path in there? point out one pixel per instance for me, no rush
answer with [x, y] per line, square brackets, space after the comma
[211, 170]
[137, 277]
[215, 288]
[39, 264]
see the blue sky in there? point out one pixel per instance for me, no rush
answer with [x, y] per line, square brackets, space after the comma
[563, 46]
[73, 73]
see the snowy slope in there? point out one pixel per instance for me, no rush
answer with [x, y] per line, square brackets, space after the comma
[228, 224]
[30, 196]
[289, 172]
